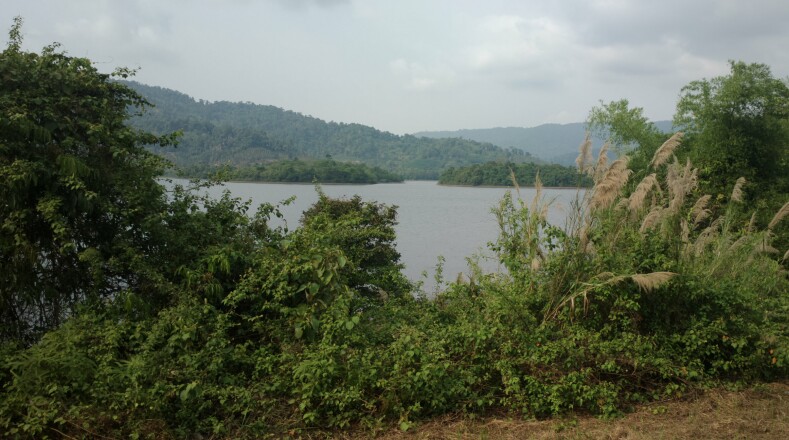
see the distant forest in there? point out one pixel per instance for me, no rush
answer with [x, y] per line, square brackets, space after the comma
[554, 143]
[500, 174]
[222, 133]
[323, 171]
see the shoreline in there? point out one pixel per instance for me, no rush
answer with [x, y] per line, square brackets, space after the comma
[510, 186]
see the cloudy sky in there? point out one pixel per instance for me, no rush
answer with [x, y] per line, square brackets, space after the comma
[411, 65]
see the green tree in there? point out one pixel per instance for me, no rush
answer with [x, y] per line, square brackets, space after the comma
[737, 125]
[79, 202]
[365, 233]
[627, 129]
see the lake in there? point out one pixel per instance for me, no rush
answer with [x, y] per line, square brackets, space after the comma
[450, 221]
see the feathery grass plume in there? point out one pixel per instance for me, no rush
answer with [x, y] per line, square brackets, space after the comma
[647, 282]
[651, 219]
[642, 190]
[537, 193]
[584, 159]
[685, 231]
[783, 212]
[706, 237]
[515, 182]
[608, 188]
[535, 264]
[583, 237]
[786, 256]
[765, 248]
[736, 193]
[699, 212]
[751, 222]
[651, 281]
[739, 242]
[602, 163]
[680, 181]
[666, 150]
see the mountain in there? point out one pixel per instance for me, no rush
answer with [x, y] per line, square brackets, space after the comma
[555, 143]
[238, 133]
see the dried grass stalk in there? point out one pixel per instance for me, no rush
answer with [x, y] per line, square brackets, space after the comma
[681, 181]
[766, 248]
[651, 281]
[537, 193]
[685, 231]
[602, 163]
[751, 222]
[642, 190]
[583, 237]
[780, 215]
[584, 160]
[515, 182]
[651, 220]
[736, 193]
[607, 190]
[786, 256]
[699, 212]
[666, 150]
[706, 237]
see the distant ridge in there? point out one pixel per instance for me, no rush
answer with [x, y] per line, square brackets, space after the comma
[555, 143]
[236, 133]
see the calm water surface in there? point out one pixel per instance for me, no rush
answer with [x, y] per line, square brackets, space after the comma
[449, 221]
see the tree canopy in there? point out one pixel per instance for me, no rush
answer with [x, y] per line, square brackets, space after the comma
[737, 125]
[78, 188]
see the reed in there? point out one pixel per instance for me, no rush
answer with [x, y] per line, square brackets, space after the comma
[636, 200]
[611, 184]
[780, 215]
[666, 150]
[736, 192]
[584, 160]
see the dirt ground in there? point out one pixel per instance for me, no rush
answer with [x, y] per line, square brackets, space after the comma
[760, 412]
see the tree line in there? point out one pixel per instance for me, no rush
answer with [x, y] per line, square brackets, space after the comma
[509, 174]
[293, 171]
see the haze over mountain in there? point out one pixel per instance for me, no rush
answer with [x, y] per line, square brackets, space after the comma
[555, 143]
[236, 133]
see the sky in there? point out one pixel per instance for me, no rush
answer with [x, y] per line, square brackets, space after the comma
[413, 65]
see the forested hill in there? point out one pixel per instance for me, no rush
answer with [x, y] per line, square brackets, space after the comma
[246, 133]
[556, 143]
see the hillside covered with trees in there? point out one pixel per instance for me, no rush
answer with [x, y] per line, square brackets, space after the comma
[525, 174]
[221, 133]
[133, 310]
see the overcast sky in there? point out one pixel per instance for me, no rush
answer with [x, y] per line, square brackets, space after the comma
[411, 65]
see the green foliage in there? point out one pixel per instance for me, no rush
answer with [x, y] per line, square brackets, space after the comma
[501, 174]
[738, 126]
[304, 171]
[365, 232]
[80, 203]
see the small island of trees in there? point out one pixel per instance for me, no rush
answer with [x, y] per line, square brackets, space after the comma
[502, 173]
[298, 171]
